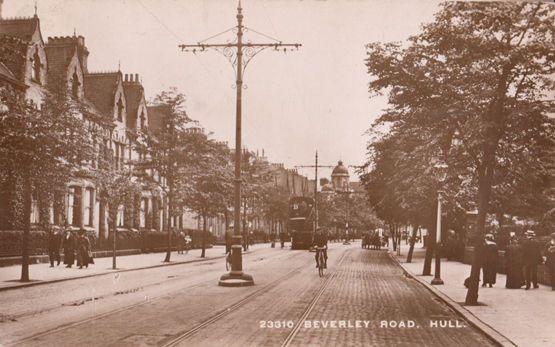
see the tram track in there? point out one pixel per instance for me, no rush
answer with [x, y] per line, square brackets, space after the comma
[175, 341]
[289, 339]
[68, 326]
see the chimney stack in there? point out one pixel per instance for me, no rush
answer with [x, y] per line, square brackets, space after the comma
[137, 77]
[126, 79]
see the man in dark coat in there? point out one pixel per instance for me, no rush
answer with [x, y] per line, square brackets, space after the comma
[531, 258]
[513, 265]
[550, 259]
[489, 261]
[69, 249]
[54, 244]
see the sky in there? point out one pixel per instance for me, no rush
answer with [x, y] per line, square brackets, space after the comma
[294, 103]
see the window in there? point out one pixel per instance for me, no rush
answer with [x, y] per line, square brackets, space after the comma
[34, 209]
[75, 85]
[120, 109]
[35, 71]
[89, 207]
[121, 216]
[143, 212]
[70, 205]
[142, 119]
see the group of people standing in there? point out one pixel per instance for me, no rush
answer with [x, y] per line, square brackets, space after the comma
[76, 246]
[522, 258]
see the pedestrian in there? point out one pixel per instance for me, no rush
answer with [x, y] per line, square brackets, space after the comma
[84, 254]
[180, 242]
[69, 249]
[489, 261]
[550, 259]
[531, 258]
[54, 244]
[513, 265]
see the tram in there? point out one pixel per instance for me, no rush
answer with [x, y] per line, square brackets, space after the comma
[301, 220]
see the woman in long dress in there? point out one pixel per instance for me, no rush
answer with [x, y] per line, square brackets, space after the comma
[489, 266]
[69, 249]
[513, 265]
[84, 251]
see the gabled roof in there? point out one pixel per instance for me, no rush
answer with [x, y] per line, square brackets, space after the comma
[8, 76]
[58, 61]
[24, 28]
[156, 116]
[134, 95]
[100, 89]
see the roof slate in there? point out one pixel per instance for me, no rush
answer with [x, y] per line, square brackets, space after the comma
[100, 89]
[156, 115]
[24, 28]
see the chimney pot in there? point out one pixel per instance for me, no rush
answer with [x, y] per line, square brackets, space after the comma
[126, 76]
[137, 77]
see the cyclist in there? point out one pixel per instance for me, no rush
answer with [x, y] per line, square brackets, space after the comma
[321, 244]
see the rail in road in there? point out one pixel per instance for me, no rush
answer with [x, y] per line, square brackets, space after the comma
[64, 327]
[181, 338]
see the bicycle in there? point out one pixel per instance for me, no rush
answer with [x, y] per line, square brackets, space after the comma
[321, 260]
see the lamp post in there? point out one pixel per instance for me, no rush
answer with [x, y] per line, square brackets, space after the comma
[441, 175]
[239, 53]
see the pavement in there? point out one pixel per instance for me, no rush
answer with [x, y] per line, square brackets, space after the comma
[365, 298]
[514, 316]
[42, 273]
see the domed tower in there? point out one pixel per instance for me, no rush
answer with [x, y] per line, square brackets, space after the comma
[340, 177]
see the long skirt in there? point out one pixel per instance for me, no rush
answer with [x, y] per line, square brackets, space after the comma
[489, 273]
[69, 256]
[515, 278]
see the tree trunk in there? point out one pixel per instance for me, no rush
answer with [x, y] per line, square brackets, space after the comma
[203, 253]
[169, 217]
[27, 201]
[412, 242]
[114, 229]
[393, 236]
[227, 238]
[484, 194]
[430, 243]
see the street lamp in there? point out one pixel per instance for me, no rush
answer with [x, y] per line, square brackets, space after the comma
[440, 170]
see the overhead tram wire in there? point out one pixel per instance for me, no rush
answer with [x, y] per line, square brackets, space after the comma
[171, 32]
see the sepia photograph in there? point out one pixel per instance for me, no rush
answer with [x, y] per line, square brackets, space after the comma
[182, 173]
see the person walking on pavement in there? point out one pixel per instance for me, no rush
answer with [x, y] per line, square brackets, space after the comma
[69, 249]
[513, 265]
[180, 242]
[490, 260]
[531, 258]
[84, 250]
[550, 259]
[54, 244]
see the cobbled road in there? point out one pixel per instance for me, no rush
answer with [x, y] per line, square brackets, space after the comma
[363, 299]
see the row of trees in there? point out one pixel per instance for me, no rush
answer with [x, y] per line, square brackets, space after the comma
[469, 94]
[43, 148]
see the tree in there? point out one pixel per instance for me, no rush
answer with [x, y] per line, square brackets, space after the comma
[41, 149]
[474, 82]
[169, 148]
[209, 183]
[116, 187]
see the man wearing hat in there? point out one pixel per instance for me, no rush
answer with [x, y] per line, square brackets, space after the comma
[531, 257]
[550, 259]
